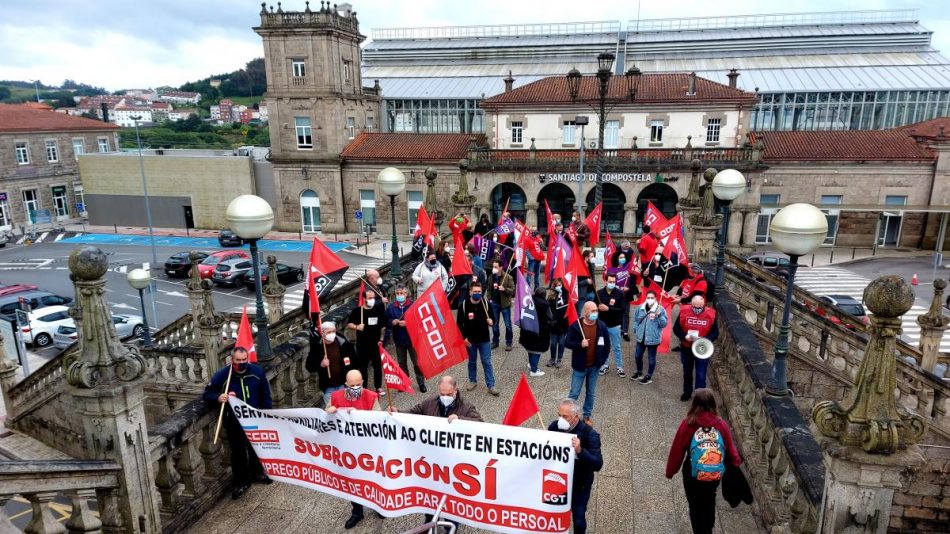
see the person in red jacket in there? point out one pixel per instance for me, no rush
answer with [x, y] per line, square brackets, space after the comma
[696, 321]
[702, 421]
[696, 283]
[647, 245]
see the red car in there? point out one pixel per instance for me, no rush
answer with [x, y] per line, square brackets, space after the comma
[207, 266]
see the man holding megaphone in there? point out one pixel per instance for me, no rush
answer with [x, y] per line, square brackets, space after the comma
[695, 322]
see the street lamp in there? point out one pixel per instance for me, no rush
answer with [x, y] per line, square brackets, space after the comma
[392, 182]
[140, 279]
[250, 217]
[582, 121]
[148, 209]
[726, 186]
[796, 230]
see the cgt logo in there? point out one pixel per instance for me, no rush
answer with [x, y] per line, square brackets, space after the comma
[553, 487]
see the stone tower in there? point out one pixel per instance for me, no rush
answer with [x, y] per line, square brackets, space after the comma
[316, 105]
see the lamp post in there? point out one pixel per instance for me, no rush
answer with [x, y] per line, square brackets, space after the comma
[140, 279]
[251, 217]
[392, 182]
[796, 230]
[148, 211]
[726, 186]
[604, 98]
[582, 121]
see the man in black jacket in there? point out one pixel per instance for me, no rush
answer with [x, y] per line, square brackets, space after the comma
[588, 459]
[369, 321]
[475, 325]
[611, 304]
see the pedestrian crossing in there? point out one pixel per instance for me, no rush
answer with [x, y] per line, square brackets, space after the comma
[838, 281]
[45, 237]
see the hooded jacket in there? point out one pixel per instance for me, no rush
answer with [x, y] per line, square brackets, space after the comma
[679, 451]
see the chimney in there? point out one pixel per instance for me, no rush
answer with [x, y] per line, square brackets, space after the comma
[105, 111]
[509, 82]
[691, 88]
[733, 76]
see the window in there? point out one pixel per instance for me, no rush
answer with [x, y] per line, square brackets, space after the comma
[832, 216]
[517, 132]
[370, 124]
[52, 151]
[31, 203]
[5, 220]
[712, 130]
[60, 202]
[350, 127]
[310, 211]
[895, 200]
[766, 213]
[612, 134]
[368, 206]
[22, 153]
[346, 71]
[890, 223]
[415, 202]
[304, 132]
[656, 131]
[568, 132]
[79, 148]
[103, 144]
[298, 67]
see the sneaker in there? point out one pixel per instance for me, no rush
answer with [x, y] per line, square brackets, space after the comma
[536, 373]
[620, 373]
[494, 345]
[470, 386]
[557, 364]
[626, 336]
[603, 371]
[636, 375]
[551, 363]
[381, 391]
[239, 490]
[264, 479]
[685, 397]
[646, 379]
[494, 391]
[507, 348]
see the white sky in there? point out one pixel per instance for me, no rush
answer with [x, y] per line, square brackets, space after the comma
[122, 44]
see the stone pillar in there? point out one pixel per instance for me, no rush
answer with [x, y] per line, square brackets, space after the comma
[932, 326]
[869, 439]
[431, 201]
[7, 380]
[106, 385]
[750, 228]
[194, 289]
[736, 220]
[274, 292]
[531, 214]
[462, 200]
[630, 219]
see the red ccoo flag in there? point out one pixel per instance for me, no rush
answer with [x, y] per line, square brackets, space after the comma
[392, 373]
[362, 302]
[523, 404]
[434, 332]
[245, 338]
[593, 224]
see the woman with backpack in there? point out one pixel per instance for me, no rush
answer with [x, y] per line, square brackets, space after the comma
[701, 449]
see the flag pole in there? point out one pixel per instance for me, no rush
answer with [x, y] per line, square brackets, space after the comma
[323, 339]
[389, 393]
[227, 386]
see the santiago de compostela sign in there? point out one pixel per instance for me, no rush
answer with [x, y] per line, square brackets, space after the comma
[592, 177]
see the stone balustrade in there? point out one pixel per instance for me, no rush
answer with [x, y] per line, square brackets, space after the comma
[38, 388]
[178, 333]
[80, 481]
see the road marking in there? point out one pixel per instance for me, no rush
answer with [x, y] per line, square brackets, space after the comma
[145, 265]
[122, 306]
[21, 240]
[173, 293]
[42, 237]
[164, 303]
[58, 237]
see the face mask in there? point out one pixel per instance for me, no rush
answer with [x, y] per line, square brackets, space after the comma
[657, 258]
[697, 310]
[494, 270]
[353, 393]
[370, 302]
[574, 219]
[400, 298]
[651, 302]
[433, 263]
[611, 285]
[563, 424]
[557, 288]
[592, 317]
[378, 281]
[446, 400]
[330, 338]
[239, 367]
[476, 297]
[622, 260]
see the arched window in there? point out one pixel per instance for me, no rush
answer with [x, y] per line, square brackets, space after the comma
[662, 196]
[612, 214]
[511, 194]
[561, 200]
[309, 211]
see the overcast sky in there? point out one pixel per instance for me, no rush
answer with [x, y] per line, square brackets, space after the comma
[122, 44]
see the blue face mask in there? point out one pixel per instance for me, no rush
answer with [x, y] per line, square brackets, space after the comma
[476, 297]
[623, 260]
[400, 298]
[611, 285]
[592, 316]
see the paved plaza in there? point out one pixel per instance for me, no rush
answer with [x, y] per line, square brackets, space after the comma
[631, 495]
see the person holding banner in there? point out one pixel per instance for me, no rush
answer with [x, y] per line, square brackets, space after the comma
[648, 323]
[695, 322]
[369, 322]
[558, 301]
[396, 319]
[587, 339]
[352, 397]
[537, 342]
[248, 382]
[331, 356]
[588, 459]
[611, 303]
[428, 272]
[502, 290]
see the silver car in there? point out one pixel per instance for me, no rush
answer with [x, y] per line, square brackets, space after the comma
[126, 326]
[231, 272]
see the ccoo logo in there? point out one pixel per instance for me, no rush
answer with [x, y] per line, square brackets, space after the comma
[553, 487]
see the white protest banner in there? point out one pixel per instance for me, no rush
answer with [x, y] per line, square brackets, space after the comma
[500, 478]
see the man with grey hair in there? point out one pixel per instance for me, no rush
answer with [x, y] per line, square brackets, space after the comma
[588, 459]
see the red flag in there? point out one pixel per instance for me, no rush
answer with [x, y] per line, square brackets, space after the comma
[593, 224]
[578, 264]
[362, 300]
[571, 233]
[460, 264]
[434, 333]
[653, 217]
[610, 250]
[245, 338]
[667, 333]
[313, 299]
[675, 243]
[570, 284]
[393, 375]
[326, 269]
[550, 217]
[523, 404]
[665, 230]
[501, 218]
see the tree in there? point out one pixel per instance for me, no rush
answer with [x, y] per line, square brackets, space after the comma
[4, 93]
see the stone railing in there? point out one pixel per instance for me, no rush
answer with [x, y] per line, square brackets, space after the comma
[619, 160]
[38, 388]
[79, 481]
[178, 333]
[176, 365]
[308, 19]
[781, 456]
[824, 357]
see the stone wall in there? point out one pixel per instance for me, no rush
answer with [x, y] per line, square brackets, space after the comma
[924, 504]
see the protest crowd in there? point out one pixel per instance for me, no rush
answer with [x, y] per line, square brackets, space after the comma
[487, 285]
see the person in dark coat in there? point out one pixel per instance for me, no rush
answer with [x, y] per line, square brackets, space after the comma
[587, 339]
[331, 357]
[369, 322]
[536, 344]
[588, 459]
[558, 302]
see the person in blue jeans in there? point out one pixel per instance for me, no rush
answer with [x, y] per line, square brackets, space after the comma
[475, 326]
[611, 302]
[558, 301]
[587, 339]
[501, 291]
[648, 323]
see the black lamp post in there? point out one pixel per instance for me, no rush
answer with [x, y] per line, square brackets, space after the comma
[726, 186]
[251, 217]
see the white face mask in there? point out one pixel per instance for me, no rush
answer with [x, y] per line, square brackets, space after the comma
[330, 338]
[651, 302]
[563, 424]
[378, 281]
[370, 302]
[446, 400]
[494, 270]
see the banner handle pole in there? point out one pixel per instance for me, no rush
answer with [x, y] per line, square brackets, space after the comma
[541, 420]
[323, 339]
[227, 386]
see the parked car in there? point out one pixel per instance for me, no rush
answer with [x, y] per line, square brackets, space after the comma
[15, 288]
[32, 299]
[43, 323]
[208, 265]
[771, 261]
[845, 303]
[286, 275]
[126, 326]
[227, 238]
[179, 264]
[231, 272]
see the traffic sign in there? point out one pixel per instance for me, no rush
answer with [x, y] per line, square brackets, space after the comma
[80, 206]
[359, 215]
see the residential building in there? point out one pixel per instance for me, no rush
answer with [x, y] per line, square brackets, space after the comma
[262, 112]
[224, 110]
[180, 97]
[146, 95]
[39, 168]
[181, 114]
[215, 112]
[127, 115]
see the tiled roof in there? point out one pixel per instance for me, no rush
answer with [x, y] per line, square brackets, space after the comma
[929, 129]
[662, 88]
[16, 118]
[848, 145]
[408, 147]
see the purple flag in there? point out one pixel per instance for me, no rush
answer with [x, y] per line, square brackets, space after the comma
[484, 248]
[526, 316]
[506, 227]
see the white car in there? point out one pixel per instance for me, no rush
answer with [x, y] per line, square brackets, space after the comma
[126, 326]
[43, 323]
